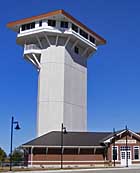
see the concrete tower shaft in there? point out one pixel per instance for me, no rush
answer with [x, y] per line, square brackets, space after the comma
[58, 46]
[62, 90]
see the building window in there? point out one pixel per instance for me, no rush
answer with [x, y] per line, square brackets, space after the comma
[32, 25]
[83, 33]
[28, 26]
[23, 28]
[92, 39]
[136, 153]
[74, 28]
[64, 24]
[40, 23]
[76, 50]
[122, 155]
[115, 153]
[51, 23]
[123, 148]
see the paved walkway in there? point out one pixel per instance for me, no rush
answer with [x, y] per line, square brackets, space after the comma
[105, 170]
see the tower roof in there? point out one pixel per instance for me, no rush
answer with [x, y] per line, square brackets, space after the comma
[14, 24]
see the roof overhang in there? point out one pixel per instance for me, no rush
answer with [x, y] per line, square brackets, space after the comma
[43, 146]
[13, 25]
[109, 140]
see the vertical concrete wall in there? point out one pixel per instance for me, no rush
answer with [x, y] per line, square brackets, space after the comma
[62, 86]
[75, 92]
[51, 90]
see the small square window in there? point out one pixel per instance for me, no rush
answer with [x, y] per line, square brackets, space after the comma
[74, 28]
[32, 25]
[83, 33]
[64, 24]
[28, 26]
[76, 50]
[51, 23]
[23, 27]
[92, 39]
[40, 23]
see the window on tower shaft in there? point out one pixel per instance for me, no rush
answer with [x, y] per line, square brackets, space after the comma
[76, 50]
[51, 23]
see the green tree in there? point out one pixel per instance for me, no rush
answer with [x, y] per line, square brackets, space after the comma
[17, 155]
[2, 155]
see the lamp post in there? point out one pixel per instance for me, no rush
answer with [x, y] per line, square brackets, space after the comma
[11, 143]
[63, 131]
[114, 149]
[126, 147]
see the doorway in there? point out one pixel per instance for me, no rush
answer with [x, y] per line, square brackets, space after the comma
[125, 156]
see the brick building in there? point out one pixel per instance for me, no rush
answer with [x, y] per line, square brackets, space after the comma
[84, 149]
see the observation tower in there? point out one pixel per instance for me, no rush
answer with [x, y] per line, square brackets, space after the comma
[58, 45]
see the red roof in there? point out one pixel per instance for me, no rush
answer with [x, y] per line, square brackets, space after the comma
[30, 19]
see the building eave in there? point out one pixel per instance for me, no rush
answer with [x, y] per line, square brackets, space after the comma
[109, 140]
[45, 146]
[13, 24]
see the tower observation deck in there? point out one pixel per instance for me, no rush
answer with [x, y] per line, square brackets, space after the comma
[58, 45]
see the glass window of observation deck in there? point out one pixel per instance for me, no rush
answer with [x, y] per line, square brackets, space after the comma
[74, 28]
[28, 26]
[84, 34]
[51, 23]
[92, 39]
[64, 24]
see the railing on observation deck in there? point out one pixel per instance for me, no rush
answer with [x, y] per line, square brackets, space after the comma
[31, 46]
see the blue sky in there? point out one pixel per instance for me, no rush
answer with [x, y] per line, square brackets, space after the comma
[113, 72]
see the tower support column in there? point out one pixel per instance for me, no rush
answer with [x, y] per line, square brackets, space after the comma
[61, 91]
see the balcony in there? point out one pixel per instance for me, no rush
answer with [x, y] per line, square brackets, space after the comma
[31, 49]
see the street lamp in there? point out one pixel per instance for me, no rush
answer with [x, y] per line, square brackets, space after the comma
[114, 147]
[126, 146]
[11, 144]
[63, 131]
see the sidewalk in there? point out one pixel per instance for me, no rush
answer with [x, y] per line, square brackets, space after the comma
[83, 170]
